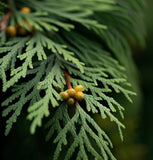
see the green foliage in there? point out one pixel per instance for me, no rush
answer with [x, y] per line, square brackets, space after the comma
[3, 7]
[88, 39]
[82, 138]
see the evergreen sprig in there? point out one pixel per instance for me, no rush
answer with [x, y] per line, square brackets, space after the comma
[90, 40]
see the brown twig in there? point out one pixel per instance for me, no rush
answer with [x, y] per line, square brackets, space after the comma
[67, 77]
[3, 23]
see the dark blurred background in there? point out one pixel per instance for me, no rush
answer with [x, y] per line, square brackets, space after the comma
[144, 62]
[138, 135]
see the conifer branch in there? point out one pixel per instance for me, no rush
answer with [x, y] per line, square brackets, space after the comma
[4, 21]
[68, 34]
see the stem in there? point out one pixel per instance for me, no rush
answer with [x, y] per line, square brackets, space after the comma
[4, 21]
[67, 77]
